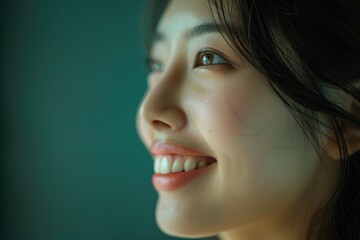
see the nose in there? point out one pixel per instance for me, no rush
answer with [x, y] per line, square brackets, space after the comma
[161, 108]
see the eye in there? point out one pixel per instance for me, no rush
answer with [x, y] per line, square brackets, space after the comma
[154, 65]
[208, 57]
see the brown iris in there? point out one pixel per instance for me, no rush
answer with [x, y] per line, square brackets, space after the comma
[209, 58]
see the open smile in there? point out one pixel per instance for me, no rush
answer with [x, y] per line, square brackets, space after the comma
[176, 165]
[172, 181]
[165, 164]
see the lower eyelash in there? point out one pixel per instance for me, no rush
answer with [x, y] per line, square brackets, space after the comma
[199, 61]
[153, 65]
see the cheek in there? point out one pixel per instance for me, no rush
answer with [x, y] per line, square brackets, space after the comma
[259, 145]
[252, 102]
[242, 105]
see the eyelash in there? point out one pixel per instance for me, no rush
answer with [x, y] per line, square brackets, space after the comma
[154, 65]
[202, 56]
[210, 56]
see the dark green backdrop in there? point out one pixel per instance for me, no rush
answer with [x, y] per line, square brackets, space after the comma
[72, 165]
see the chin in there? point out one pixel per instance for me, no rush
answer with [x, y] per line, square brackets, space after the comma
[184, 232]
[182, 225]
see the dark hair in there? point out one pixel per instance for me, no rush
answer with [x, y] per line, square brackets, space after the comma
[307, 49]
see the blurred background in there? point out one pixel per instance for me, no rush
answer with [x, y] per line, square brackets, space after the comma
[72, 165]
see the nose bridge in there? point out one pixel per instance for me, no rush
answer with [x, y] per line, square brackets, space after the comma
[161, 107]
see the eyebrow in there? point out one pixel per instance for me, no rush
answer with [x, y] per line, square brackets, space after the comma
[196, 31]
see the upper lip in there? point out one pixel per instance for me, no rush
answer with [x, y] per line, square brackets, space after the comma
[167, 147]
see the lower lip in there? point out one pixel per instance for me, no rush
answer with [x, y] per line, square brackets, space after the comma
[173, 181]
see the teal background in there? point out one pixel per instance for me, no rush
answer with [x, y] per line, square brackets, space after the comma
[72, 165]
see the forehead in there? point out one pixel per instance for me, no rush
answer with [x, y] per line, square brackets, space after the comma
[182, 14]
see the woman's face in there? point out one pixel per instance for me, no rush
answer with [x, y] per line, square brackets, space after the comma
[202, 96]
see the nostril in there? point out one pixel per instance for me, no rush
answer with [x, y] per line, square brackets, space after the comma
[160, 125]
[169, 119]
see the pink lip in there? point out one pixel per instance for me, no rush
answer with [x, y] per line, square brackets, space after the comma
[173, 181]
[166, 148]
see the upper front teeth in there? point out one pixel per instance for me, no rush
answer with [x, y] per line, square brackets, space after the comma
[189, 164]
[177, 165]
[167, 164]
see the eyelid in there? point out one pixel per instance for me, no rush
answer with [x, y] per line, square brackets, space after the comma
[150, 63]
[212, 52]
[154, 65]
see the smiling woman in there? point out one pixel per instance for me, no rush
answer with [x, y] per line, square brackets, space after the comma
[252, 118]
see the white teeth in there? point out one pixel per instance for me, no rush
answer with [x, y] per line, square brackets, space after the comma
[202, 164]
[175, 164]
[190, 164]
[165, 165]
[157, 162]
[178, 165]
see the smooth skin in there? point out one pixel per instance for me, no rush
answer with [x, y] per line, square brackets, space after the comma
[269, 180]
